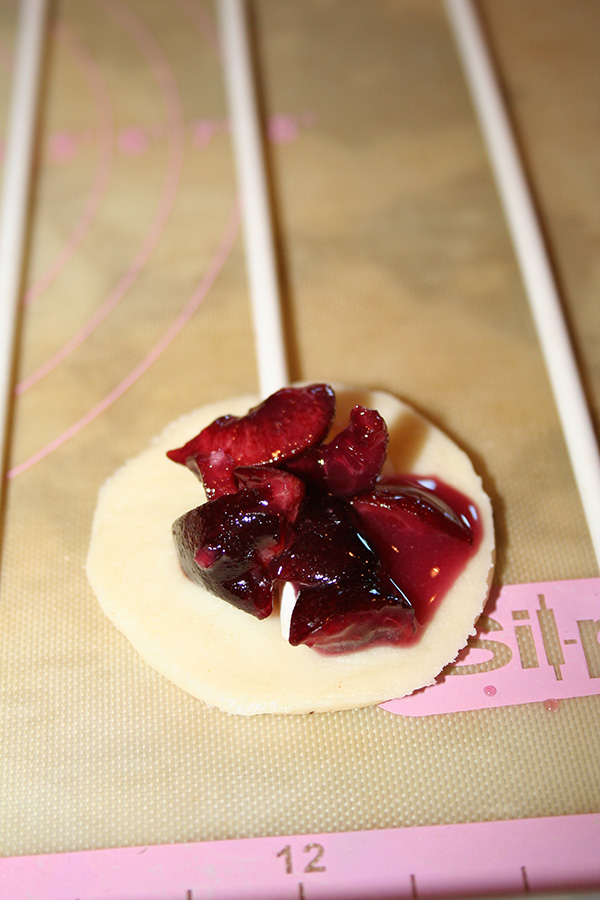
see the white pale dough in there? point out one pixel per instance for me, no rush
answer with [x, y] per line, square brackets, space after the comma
[227, 658]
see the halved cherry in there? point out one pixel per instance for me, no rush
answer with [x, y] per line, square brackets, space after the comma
[424, 533]
[222, 545]
[351, 462]
[325, 547]
[345, 600]
[227, 543]
[342, 618]
[282, 426]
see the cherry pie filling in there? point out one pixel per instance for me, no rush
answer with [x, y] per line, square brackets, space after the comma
[370, 556]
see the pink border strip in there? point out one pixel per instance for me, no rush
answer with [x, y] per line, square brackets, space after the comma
[535, 643]
[515, 856]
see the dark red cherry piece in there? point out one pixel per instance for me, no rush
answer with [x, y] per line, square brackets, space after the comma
[325, 547]
[342, 618]
[282, 426]
[345, 600]
[227, 543]
[351, 462]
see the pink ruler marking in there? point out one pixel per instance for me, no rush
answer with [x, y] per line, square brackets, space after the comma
[517, 856]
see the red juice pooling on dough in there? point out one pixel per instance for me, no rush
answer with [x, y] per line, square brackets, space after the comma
[370, 557]
[424, 532]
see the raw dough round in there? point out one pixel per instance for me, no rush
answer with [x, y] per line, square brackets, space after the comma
[227, 658]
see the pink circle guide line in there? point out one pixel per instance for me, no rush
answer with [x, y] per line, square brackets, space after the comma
[105, 131]
[215, 266]
[169, 91]
[203, 22]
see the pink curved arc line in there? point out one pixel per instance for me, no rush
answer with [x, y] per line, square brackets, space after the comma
[105, 130]
[203, 22]
[176, 131]
[214, 268]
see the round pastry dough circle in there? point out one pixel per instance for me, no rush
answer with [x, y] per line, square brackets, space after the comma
[226, 657]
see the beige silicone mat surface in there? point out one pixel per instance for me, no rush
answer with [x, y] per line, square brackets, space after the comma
[398, 273]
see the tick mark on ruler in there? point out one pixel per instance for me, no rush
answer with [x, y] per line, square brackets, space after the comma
[525, 880]
[413, 886]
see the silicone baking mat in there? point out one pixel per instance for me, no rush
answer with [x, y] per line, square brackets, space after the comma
[398, 273]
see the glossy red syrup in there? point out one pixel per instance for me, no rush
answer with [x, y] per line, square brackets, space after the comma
[424, 532]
